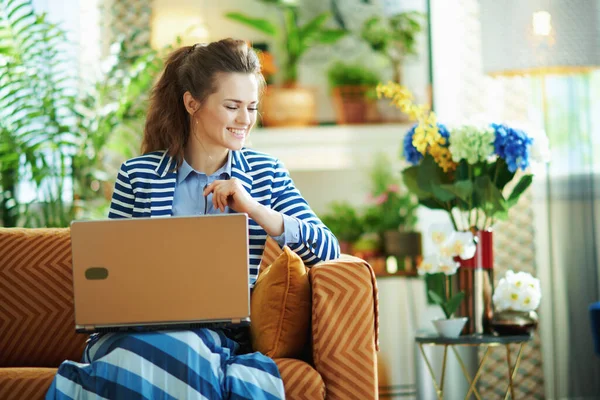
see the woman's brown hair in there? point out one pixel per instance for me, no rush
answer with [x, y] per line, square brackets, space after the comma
[193, 69]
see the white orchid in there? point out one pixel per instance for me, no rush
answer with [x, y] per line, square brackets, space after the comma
[517, 291]
[448, 244]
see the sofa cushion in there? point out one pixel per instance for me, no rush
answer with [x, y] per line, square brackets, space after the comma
[300, 380]
[25, 383]
[36, 299]
[280, 308]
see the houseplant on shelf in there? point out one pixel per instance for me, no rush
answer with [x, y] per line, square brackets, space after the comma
[449, 245]
[289, 103]
[352, 86]
[476, 173]
[345, 223]
[391, 214]
[395, 38]
[516, 298]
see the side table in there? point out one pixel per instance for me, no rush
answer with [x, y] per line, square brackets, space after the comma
[473, 340]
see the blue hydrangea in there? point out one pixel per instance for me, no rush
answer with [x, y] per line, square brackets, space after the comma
[512, 145]
[411, 154]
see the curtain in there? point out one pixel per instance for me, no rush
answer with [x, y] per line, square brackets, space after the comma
[567, 205]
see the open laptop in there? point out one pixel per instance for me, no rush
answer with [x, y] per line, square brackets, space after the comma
[161, 273]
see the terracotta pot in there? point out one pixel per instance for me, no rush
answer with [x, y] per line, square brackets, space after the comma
[352, 106]
[288, 106]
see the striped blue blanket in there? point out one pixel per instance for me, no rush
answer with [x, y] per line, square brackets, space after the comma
[196, 364]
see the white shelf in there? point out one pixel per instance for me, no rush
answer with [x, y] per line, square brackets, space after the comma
[328, 148]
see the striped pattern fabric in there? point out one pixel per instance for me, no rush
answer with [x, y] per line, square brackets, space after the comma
[344, 327]
[25, 383]
[198, 364]
[300, 380]
[145, 187]
[36, 299]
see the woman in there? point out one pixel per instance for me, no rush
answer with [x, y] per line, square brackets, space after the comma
[201, 112]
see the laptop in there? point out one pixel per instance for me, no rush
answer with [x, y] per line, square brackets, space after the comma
[161, 273]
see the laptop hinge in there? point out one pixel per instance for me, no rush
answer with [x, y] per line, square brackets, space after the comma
[236, 321]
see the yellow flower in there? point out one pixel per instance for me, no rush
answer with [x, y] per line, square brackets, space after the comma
[427, 138]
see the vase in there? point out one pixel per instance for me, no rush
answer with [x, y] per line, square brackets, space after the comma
[475, 277]
[511, 322]
[451, 327]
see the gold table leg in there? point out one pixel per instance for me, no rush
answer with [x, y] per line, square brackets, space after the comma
[438, 390]
[478, 373]
[512, 371]
[465, 372]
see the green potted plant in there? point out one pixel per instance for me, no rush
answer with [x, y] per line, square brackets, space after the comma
[396, 39]
[345, 223]
[392, 214]
[289, 103]
[352, 87]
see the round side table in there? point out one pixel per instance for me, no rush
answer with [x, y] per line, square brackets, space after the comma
[473, 340]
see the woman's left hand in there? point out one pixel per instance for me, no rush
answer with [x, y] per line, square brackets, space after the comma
[231, 193]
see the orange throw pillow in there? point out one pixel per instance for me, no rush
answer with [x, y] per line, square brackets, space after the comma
[281, 307]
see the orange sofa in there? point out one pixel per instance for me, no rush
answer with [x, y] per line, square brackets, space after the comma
[37, 324]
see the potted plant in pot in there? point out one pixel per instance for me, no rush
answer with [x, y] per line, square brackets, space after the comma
[448, 246]
[391, 214]
[290, 104]
[345, 223]
[352, 87]
[516, 298]
[396, 39]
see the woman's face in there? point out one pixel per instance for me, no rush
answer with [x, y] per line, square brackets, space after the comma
[225, 117]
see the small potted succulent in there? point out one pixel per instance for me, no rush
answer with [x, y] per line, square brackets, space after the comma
[448, 245]
[516, 298]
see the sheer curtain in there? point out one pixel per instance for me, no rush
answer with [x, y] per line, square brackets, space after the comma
[567, 206]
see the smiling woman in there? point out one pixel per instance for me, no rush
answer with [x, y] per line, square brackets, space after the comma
[194, 162]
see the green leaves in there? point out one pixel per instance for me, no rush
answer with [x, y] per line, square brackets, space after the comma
[448, 306]
[293, 38]
[262, 25]
[519, 189]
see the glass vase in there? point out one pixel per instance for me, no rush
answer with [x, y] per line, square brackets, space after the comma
[475, 277]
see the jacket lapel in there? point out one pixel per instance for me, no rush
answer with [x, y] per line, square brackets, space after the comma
[165, 170]
[240, 169]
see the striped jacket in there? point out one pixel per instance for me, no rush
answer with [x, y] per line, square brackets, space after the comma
[145, 187]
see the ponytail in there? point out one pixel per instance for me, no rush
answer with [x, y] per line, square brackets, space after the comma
[167, 123]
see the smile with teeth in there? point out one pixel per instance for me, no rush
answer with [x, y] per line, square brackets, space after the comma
[239, 133]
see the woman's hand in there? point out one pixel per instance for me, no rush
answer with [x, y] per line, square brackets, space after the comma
[231, 193]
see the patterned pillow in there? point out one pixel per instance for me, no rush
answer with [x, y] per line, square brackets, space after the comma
[281, 308]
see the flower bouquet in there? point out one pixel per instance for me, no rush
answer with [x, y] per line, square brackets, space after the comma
[516, 298]
[476, 173]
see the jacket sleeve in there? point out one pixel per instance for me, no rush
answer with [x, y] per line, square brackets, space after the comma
[316, 243]
[123, 199]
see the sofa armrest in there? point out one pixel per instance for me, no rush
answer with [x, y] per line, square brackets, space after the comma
[345, 327]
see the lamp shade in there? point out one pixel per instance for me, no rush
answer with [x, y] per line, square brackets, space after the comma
[540, 36]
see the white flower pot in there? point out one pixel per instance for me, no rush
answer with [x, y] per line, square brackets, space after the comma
[450, 327]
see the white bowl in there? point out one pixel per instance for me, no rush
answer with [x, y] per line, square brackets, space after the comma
[450, 327]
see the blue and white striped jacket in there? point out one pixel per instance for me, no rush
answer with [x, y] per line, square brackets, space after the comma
[145, 187]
